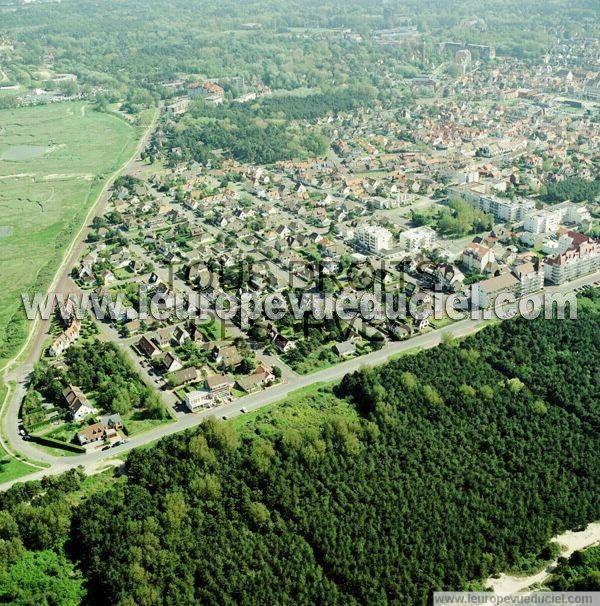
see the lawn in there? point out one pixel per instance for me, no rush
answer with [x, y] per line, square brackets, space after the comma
[54, 162]
[137, 422]
[303, 410]
[11, 468]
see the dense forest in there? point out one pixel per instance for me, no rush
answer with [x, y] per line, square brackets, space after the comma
[461, 460]
[574, 189]
[262, 132]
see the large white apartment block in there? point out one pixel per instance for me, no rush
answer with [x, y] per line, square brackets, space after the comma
[548, 221]
[542, 222]
[418, 238]
[580, 259]
[504, 209]
[557, 246]
[374, 238]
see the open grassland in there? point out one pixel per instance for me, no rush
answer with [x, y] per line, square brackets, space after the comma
[307, 409]
[54, 162]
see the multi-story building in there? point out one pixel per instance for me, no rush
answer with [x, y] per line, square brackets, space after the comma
[524, 279]
[418, 238]
[374, 238]
[542, 222]
[580, 259]
[505, 209]
[477, 257]
[548, 221]
[486, 291]
[531, 279]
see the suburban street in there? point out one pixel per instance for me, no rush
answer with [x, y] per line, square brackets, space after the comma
[17, 370]
[99, 460]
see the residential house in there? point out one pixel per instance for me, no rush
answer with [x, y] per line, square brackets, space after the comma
[180, 335]
[113, 421]
[345, 349]
[283, 344]
[148, 347]
[79, 405]
[171, 362]
[226, 356]
[66, 339]
[91, 434]
[163, 337]
[258, 379]
[219, 386]
[183, 376]
[199, 400]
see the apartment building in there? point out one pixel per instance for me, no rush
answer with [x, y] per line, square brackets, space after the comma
[374, 238]
[505, 209]
[580, 259]
[477, 257]
[418, 238]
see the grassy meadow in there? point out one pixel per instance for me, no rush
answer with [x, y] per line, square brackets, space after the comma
[54, 161]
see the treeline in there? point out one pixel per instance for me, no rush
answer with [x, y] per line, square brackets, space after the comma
[581, 572]
[35, 520]
[260, 133]
[140, 43]
[311, 107]
[575, 189]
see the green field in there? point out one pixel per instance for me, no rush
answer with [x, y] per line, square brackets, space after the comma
[11, 468]
[54, 162]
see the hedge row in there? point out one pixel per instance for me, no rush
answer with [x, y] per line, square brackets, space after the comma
[44, 441]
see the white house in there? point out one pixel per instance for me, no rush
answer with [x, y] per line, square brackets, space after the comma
[199, 400]
[78, 404]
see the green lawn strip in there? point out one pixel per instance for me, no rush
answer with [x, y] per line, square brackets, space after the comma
[46, 208]
[137, 423]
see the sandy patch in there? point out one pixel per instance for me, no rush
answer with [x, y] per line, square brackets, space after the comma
[570, 541]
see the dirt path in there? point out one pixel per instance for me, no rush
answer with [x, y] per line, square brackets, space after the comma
[572, 541]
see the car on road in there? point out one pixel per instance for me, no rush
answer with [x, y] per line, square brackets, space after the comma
[243, 410]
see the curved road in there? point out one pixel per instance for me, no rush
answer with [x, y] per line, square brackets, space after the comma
[17, 373]
[96, 460]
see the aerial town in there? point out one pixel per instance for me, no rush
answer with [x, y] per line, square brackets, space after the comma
[299, 302]
[453, 193]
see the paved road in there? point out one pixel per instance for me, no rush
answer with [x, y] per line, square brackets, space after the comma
[93, 461]
[32, 348]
